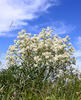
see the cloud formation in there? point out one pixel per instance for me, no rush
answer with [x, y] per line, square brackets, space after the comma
[78, 53]
[59, 27]
[79, 40]
[62, 28]
[14, 12]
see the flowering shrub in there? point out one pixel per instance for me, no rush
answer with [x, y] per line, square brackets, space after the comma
[35, 60]
[43, 49]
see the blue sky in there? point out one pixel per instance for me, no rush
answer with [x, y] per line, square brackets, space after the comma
[63, 16]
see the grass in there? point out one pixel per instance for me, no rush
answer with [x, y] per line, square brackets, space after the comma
[17, 84]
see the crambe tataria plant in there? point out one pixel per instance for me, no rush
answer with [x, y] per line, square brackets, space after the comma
[43, 49]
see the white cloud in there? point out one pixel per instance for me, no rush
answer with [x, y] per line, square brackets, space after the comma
[14, 12]
[3, 61]
[62, 28]
[59, 27]
[78, 53]
[78, 64]
[79, 40]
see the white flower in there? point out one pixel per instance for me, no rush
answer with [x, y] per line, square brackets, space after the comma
[36, 58]
[15, 41]
[69, 44]
[12, 48]
[46, 56]
[22, 51]
[60, 72]
[48, 28]
[39, 48]
[21, 36]
[65, 40]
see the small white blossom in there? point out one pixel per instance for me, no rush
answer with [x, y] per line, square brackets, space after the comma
[41, 48]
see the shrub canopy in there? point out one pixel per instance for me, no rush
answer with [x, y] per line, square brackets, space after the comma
[41, 50]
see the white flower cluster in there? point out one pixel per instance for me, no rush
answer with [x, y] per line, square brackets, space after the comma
[44, 48]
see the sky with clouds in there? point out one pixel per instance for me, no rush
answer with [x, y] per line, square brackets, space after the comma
[63, 16]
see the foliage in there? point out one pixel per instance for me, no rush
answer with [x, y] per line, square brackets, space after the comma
[15, 85]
